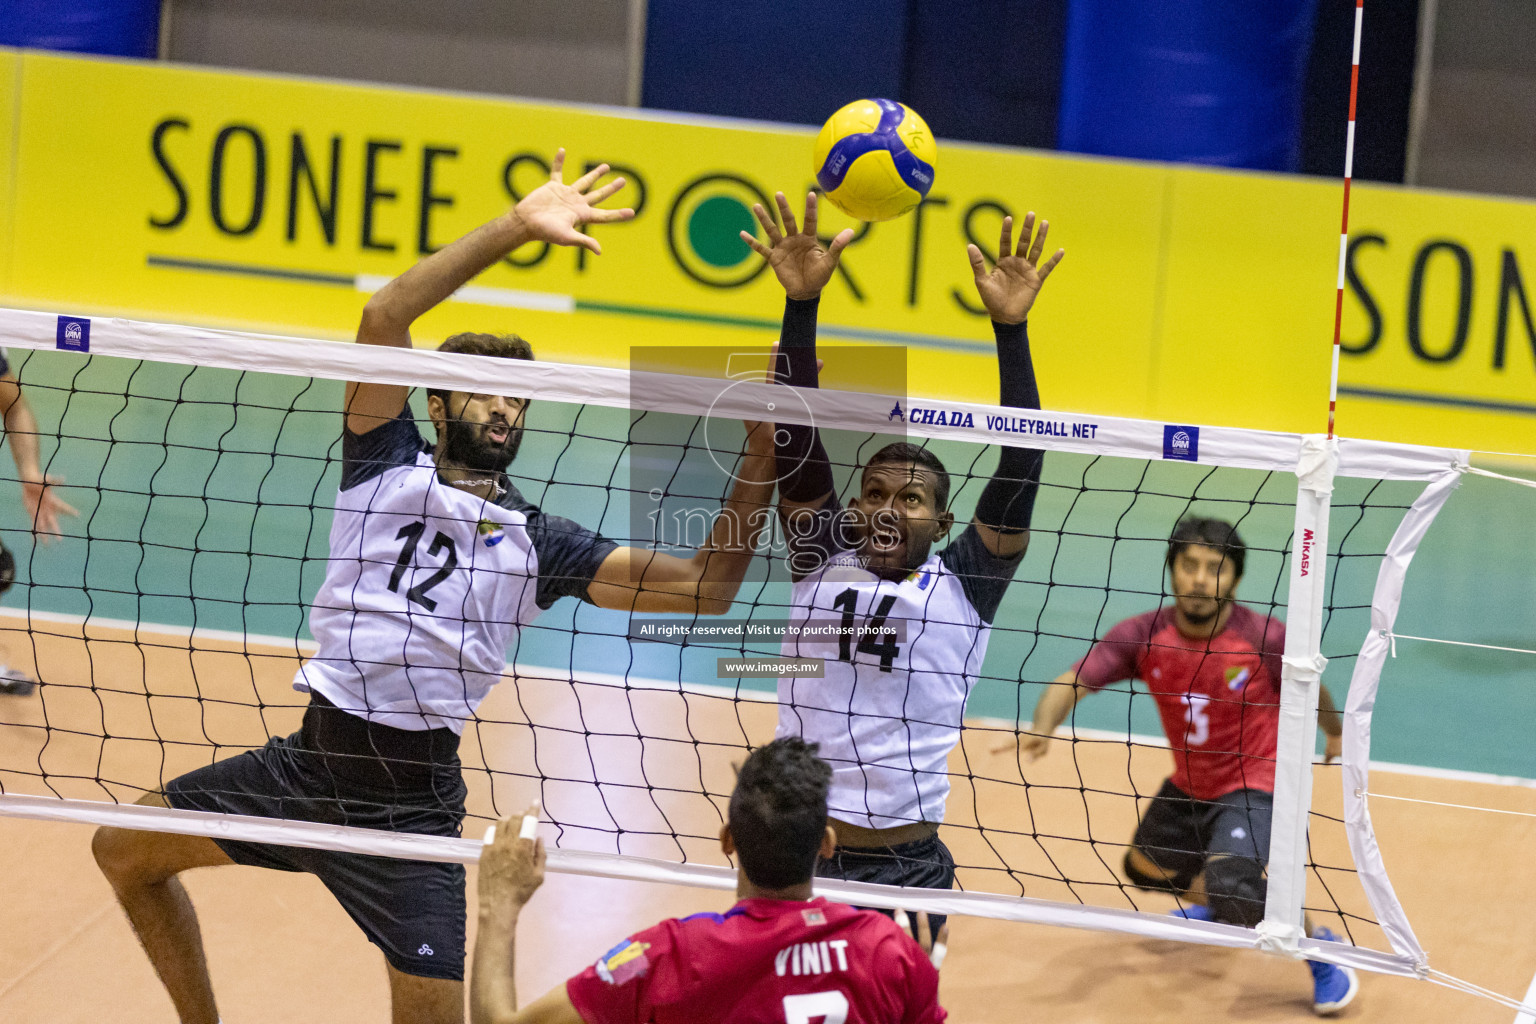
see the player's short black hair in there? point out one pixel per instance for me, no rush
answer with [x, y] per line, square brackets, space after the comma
[1210, 533]
[500, 346]
[903, 452]
[778, 812]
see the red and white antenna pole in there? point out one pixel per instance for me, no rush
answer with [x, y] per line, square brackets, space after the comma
[1349, 172]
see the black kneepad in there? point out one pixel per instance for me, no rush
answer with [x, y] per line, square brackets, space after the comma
[1145, 881]
[1234, 889]
[7, 568]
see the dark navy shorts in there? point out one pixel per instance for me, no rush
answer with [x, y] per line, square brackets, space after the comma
[922, 863]
[341, 770]
[1178, 833]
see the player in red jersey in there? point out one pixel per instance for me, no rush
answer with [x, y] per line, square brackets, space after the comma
[776, 957]
[1213, 666]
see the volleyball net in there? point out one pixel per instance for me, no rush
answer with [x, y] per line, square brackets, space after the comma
[166, 630]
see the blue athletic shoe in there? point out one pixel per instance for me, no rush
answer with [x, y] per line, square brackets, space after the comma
[1333, 987]
[1193, 912]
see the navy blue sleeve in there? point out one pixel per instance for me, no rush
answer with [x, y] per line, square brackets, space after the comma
[814, 536]
[391, 444]
[5, 363]
[983, 576]
[569, 555]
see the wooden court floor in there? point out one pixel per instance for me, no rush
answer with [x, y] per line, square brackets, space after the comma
[280, 949]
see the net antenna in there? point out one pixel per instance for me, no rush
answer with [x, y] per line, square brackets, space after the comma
[1282, 926]
[1349, 173]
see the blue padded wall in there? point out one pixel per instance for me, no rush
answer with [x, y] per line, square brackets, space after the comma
[1204, 81]
[124, 28]
[776, 60]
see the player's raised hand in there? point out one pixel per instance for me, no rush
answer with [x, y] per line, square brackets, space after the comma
[1009, 289]
[553, 211]
[1333, 748]
[796, 255]
[512, 862]
[44, 506]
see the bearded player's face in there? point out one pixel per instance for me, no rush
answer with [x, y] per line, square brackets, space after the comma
[483, 432]
[1204, 580]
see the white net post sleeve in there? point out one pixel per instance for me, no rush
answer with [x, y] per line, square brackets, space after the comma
[1362, 702]
[1281, 930]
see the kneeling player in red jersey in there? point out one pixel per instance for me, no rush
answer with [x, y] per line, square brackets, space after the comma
[1213, 666]
[777, 957]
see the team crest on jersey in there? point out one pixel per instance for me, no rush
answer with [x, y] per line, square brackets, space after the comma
[922, 578]
[813, 917]
[1236, 677]
[491, 532]
[624, 962]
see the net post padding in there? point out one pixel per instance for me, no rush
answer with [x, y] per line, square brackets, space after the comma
[1281, 930]
[1358, 708]
[413, 846]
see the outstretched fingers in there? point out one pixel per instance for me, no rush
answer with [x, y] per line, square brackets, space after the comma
[597, 216]
[769, 227]
[1005, 240]
[589, 179]
[557, 165]
[786, 214]
[978, 261]
[839, 243]
[810, 214]
[757, 246]
[1039, 244]
[1050, 264]
[598, 195]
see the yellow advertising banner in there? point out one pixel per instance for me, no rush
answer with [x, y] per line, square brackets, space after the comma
[1190, 295]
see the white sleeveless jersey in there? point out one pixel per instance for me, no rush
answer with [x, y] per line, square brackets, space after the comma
[427, 585]
[888, 712]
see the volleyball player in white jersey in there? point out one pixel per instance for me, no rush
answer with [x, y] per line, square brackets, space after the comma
[436, 562]
[889, 710]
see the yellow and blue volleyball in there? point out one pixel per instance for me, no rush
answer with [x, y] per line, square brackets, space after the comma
[874, 159]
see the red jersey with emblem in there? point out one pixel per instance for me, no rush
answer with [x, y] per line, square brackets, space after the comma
[1219, 698]
[764, 962]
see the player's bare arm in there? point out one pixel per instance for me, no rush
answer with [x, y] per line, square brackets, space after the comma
[640, 580]
[1009, 291]
[553, 212]
[38, 491]
[511, 871]
[1331, 721]
[1061, 695]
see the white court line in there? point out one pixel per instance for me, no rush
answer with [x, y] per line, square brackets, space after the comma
[1526, 1016]
[306, 647]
